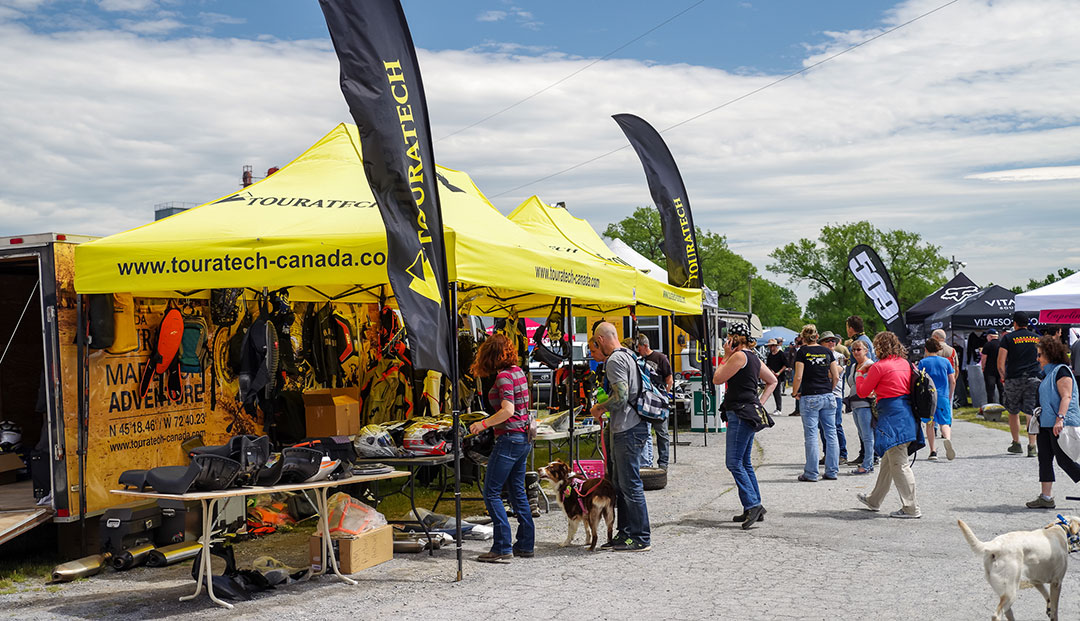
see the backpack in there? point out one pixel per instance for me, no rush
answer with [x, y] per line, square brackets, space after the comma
[651, 403]
[193, 346]
[923, 395]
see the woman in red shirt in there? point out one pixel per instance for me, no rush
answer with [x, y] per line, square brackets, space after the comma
[896, 435]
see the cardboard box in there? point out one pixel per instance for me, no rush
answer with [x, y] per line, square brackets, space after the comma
[367, 550]
[9, 463]
[332, 412]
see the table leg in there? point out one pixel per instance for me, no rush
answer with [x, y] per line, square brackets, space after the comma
[205, 571]
[329, 560]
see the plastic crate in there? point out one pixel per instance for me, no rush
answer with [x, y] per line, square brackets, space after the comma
[591, 468]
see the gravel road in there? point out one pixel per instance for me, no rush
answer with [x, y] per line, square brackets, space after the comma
[817, 555]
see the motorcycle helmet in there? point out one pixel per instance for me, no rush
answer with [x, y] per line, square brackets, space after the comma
[10, 437]
[374, 441]
[426, 439]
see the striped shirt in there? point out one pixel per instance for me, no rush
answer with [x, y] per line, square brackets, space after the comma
[511, 385]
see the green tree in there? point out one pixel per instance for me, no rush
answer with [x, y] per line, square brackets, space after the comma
[725, 271]
[916, 268]
[1063, 272]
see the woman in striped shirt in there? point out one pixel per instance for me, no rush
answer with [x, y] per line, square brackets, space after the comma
[510, 397]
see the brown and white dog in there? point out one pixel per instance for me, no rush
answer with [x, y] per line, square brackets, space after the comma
[1023, 559]
[583, 501]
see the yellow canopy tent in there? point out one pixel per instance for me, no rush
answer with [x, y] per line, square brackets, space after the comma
[567, 234]
[314, 226]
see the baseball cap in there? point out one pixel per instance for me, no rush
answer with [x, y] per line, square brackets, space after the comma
[990, 331]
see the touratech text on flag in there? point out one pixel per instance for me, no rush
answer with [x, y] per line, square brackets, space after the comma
[669, 196]
[867, 268]
[380, 79]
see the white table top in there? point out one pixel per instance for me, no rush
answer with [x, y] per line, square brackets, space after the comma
[562, 435]
[247, 491]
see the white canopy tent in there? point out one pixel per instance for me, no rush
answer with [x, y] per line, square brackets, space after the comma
[1063, 294]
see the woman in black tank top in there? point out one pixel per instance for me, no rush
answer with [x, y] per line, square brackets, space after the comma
[741, 370]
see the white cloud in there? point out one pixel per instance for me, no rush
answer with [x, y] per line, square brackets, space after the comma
[127, 5]
[107, 124]
[491, 16]
[1046, 173]
[211, 19]
[150, 27]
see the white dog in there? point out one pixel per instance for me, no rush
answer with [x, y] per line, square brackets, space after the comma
[1022, 559]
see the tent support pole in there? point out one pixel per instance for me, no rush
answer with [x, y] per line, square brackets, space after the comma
[674, 419]
[572, 390]
[706, 376]
[456, 406]
[81, 386]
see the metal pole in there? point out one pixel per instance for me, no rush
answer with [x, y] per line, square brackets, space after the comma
[673, 421]
[456, 407]
[81, 385]
[706, 374]
[568, 318]
[749, 294]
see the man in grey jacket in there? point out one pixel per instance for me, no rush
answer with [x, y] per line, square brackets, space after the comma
[629, 433]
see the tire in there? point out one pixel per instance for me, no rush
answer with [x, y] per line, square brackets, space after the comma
[653, 478]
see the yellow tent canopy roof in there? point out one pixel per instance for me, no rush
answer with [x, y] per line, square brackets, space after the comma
[566, 234]
[314, 226]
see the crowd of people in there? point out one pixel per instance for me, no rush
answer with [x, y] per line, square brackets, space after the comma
[870, 378]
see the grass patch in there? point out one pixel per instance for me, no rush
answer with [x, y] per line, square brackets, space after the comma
[16, 574]
[972, 416]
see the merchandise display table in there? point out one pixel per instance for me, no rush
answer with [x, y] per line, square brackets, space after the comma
[209, 499]
[408, 487]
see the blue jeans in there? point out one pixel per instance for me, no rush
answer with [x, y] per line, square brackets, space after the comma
[740, 446]
[660, 449]
[864, 422]
[820, 409]
[839, 429]
[507, 465]
[632, 513]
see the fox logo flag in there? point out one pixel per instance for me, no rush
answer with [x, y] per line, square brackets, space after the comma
[866, 266]
[669, 195]
[380, 79]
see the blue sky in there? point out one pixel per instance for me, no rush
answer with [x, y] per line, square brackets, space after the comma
[734, 35]
[962, 126]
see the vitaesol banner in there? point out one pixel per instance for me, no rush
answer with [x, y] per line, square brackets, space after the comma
[669, 195]
[867, 268]
[380, 79]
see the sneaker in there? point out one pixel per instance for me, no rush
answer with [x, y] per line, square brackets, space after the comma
[843, 461]
[861, 470]
[618, 537]
[1015, 448]
[1032, 452]
[950, 453]
[795, 413]
[877, 461]
[806, 479]
[753, 514]
[491, 557]
[629, 545]
[1041, 503]
[828, 478]
[904, 515]
[933, 456]
[863, 498]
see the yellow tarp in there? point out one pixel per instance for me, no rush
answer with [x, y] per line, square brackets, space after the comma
[575, 237]
[314, 226]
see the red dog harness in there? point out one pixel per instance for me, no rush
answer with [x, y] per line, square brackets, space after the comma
[574, 485]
